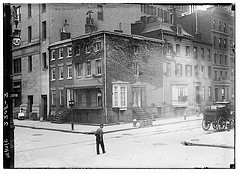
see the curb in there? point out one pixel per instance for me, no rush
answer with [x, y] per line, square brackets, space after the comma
[105, 132]
[206, 145]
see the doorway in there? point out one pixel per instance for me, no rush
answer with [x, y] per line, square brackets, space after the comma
[44, 109]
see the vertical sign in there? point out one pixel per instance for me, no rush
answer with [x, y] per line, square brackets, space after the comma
[8, 127]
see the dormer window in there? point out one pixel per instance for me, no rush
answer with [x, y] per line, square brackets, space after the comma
[179, 30]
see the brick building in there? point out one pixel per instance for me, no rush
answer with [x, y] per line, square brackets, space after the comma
[217, 20]
[115, 77]
[43, 24]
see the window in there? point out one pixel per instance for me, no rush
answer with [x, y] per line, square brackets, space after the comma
[18, 10]
[196, 71]
[98, 67]
[179, 30]
[168, 69]
[136, 68]
[179, 70]
[215, 75]
[60, 69]
[78, 70]
[60, 53]
[53, 97]
[53, 55]
[69, 51]
[87, 49]
[215, 57]
[43, 8]
[29, 63]
[69, 71]
[195, 53]
[188, 70]
[61, 97]
[120, 95]
[77, 51]
[203, 72]
[221, 73]
[209, 72]
[52, 73]
[187, 51]
[226, 74]
[168, 48]
[135, 49]
[210, 93]
[208, 54]
[99, 99]
[44, 60]
[179, 93]
[220, 59]
[202, 53]
[100, 12]
[214, 40]
[225, 43]
[214, 24]
[219, 26]
[203, 93]
[177, 49]
[171, 18]
[44, 30]
[224, 28]
[88, 68]
[29, 10]
[17, 66]
[220, 42]
[29, 34]
[226, 60]
[98, 46]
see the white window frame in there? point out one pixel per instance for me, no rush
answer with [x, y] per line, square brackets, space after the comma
[88, 75]
[77, 66]
[119, 99]
[136, 68]
[53, 98]
[178, 69]
[98, 46]
[203, 70]
[97, 66]
[53, 73]
[69, 51]
[69, 67]
[178, 52]
[188, 71]
[60, 71]
[203, 93]
[188, 47]
[53, 54]
[60, 51]
[60, 97]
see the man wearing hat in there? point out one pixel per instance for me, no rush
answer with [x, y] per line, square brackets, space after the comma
[99, 139]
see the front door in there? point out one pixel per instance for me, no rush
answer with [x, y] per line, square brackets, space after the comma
[139, 97]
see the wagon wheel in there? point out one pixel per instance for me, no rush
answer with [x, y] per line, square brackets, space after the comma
[221, 124]
[205, 125]
[214, 125]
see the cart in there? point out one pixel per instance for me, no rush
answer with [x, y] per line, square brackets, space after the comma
[219, 115]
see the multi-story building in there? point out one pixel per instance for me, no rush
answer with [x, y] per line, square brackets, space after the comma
[214, 26]
[43, 24]
[114, 76]
[187, 66]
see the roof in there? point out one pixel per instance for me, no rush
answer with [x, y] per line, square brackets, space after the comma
[164, 26]
[118, 34]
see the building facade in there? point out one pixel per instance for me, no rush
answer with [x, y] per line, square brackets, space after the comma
[113, 78]
[217, 20]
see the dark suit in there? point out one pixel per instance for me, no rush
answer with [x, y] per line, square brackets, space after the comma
[99, 140]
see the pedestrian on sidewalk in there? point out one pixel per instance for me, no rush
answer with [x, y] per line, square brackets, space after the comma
[99, 139]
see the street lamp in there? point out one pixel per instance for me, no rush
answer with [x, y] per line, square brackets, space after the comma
[71, 104]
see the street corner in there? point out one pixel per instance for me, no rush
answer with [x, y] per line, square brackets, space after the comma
[223, 139]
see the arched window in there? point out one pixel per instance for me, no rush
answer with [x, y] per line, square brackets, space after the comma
[224, 28]
[220, 26]
[214, 24]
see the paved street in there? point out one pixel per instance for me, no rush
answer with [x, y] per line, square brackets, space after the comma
[151, 147]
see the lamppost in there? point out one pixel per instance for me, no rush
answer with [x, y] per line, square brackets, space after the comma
[10, 39]
[71, 104]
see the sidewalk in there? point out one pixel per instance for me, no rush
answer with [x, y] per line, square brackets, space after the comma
[88, 129]
[224, 139]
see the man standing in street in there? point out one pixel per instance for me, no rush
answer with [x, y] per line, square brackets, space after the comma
[99, 139]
